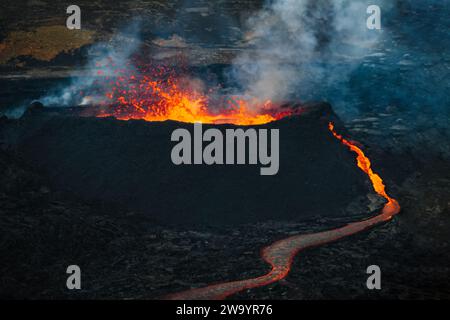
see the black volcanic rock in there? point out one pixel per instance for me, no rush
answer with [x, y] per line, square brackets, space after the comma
[128, 164]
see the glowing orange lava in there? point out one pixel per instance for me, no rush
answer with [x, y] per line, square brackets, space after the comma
[170, 97]
[364, 164]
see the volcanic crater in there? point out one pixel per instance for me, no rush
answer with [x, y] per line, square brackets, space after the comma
[127, 164]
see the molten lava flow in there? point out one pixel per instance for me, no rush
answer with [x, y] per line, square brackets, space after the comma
[364, 164]
[280, 254]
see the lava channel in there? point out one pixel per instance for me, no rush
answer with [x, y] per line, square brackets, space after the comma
[280, 254]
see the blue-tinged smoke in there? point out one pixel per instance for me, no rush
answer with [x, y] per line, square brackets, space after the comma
[322, 50]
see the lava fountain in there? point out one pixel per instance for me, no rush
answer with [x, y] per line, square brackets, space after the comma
[160, 93]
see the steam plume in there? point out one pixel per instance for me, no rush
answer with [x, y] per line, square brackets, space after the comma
[296, 43]
[105, 60]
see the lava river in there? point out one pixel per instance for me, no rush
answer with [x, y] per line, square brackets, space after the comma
[280, 254]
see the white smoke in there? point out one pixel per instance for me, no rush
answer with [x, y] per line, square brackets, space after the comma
[293, 48]
[294, 43]
[105, 59]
